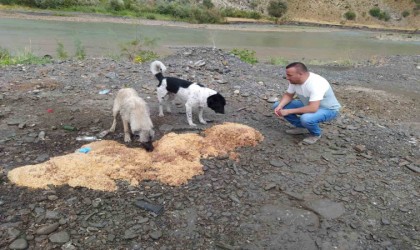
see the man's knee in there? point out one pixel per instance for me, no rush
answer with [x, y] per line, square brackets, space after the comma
[307, 119]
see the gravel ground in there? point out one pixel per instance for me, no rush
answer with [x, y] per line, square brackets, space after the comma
[358, 188]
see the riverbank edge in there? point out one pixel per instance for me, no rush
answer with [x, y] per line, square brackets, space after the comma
[231, 23]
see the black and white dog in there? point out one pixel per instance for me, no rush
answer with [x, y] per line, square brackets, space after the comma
[193, 94]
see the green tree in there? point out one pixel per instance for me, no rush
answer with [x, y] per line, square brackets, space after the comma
[277, 8]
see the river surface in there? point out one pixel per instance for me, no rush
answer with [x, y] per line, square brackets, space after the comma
[287, 42]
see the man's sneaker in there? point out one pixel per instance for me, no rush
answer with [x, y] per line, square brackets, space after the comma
[297, 131]
[311, 139]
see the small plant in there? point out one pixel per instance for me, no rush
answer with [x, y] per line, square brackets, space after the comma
[384, 16]
[405, 13]
[145, 56]
[4, 54]
[80, 50]
[62, 54]
[133, 50]
[350, 15]
[279, 61]
[245, 55]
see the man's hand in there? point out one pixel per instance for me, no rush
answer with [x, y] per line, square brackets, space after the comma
[277, 111]
[281, 112]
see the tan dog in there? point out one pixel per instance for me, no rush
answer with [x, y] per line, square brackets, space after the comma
[134, 112]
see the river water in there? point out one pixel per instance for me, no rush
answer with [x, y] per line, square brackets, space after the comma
[288, 42]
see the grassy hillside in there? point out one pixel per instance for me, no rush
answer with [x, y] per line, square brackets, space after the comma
[402, 13]
[392, 14]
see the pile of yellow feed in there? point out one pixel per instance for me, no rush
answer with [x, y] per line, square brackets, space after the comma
[175, 160]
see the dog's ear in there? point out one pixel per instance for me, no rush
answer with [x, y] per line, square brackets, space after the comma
[217, 103]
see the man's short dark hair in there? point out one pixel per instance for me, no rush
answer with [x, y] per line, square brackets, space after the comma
[299, 66]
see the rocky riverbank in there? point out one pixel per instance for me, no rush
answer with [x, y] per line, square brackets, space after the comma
[355, 189]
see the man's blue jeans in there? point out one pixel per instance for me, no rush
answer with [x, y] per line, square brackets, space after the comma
[309, 121]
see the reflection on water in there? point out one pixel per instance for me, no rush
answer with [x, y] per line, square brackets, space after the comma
[105, 39]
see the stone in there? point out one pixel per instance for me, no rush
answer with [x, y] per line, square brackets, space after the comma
[19, 244]
[47, 229]
[60, 237]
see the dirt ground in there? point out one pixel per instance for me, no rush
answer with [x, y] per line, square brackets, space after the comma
[358, 188]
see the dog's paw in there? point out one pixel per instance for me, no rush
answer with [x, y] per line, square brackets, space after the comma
[193, 125]
[202, 121]
[127, 138]
[161, 115]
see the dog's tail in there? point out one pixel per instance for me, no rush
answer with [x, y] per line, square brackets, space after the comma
[158, 68]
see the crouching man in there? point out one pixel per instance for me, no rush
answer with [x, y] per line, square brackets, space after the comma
[317, 102]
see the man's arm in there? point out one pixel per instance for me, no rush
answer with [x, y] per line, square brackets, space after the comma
[286, 98]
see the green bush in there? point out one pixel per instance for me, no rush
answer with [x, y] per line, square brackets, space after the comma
[277, 8]
[245, 55]
[350, 15]
[375, 12]
[405, 13]
[381, 15]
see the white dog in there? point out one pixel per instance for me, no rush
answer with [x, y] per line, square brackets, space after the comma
[134, 111]
[193, 94]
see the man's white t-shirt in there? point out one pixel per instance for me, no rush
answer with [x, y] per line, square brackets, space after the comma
[315, 88]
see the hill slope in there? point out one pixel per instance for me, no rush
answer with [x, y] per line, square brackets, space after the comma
[332, 11]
